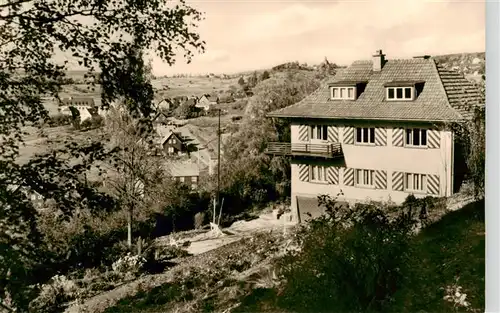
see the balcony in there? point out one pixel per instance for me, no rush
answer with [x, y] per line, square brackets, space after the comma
[330, 151]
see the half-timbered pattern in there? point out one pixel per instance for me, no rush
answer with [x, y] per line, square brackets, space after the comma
[379, 131]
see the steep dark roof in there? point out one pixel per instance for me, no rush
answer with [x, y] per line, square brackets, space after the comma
[432, 104]
[175, 134]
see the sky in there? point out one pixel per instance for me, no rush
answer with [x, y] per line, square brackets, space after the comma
[245, 35]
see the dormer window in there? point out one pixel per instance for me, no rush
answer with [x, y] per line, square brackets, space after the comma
[402, 91]
[343, 93]
[346, 90]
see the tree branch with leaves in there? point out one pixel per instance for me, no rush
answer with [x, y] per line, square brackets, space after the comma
[101, 36]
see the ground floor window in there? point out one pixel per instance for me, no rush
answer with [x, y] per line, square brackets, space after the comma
[364, 178]
[415, 182]
[317, 173]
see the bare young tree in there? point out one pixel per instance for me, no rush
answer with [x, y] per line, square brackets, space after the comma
[134, 170]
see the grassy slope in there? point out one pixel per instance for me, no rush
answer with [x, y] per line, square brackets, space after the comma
[452, 247]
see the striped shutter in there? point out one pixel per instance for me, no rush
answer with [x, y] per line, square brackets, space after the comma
[303, 132]
[333, 175]
[303, 172]
[333, 134]
[380, 136]
[398, 181]
[349, 135]
[398, 136]
[433, 139]
[380, 180]
[433, 185]
[348, 176]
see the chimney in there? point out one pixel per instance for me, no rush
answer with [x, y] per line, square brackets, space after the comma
[378, 61]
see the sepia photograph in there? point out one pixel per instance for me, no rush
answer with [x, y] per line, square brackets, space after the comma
[276, 156]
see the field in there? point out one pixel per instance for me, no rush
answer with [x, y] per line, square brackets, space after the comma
[40, 141]
[192, 86]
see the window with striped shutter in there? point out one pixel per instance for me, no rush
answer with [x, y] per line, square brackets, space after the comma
[333, 134]
[380, 180]
[398, 137]
[433, 187]
[380, 136]
[398, 181]
[349, 135]
[303, 172]
[333, 175]
[348, 176]
[433, 139]
[303, 132]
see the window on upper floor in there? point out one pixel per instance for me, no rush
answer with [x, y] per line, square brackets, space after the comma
[400, 93]
[343, 93]
[365, 135]
[319, 132]
[416, 137]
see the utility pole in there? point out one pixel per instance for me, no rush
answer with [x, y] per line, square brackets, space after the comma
[218, 161]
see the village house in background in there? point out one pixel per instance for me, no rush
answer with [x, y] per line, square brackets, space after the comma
[86, 106]
[173, 144]
[163, 104]
[185, 172]
[378, 132]
[207, 101]
[160, 118]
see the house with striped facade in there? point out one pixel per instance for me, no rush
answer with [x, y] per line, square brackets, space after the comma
[379, 131]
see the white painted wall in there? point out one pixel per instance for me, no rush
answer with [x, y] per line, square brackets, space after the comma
[388, 158]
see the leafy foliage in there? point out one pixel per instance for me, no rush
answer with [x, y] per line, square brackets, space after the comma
[59, 120]
[249, 177]
[105, 35]
[265, 75]
[350, 260]
[472, 136]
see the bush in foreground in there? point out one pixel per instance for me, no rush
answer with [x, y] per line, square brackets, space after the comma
[349, 261]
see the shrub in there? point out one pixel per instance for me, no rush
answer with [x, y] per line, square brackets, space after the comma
[92, 123]
[199, 220]
[60, 120]
[349, 260]
[86, 124]
[239, 105]
[130, 265]
[54, 294]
